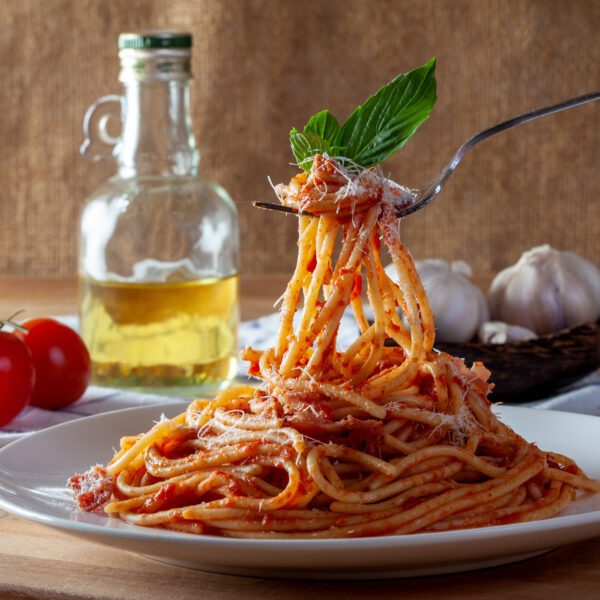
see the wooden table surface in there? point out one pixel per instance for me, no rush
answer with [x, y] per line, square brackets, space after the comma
[39, 562]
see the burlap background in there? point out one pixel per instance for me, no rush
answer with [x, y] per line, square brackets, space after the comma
[262, 66]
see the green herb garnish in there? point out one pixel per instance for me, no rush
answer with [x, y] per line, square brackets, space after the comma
[377, 128]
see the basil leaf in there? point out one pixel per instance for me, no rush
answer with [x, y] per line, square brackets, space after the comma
[386, 121]
[376, 129]
[305, 146]
[324, 124]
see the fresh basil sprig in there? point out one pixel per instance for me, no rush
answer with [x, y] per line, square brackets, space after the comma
[377, 128]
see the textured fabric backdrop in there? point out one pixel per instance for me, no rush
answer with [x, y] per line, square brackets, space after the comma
[263, 66]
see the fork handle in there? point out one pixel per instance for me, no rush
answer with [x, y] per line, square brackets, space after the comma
[530, 116]
[435, 186]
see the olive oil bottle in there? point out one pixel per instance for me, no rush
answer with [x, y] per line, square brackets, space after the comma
[159, 244]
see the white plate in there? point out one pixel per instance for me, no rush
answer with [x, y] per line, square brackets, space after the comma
[34, 470]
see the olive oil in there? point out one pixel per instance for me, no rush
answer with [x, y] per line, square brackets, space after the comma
[175, 338]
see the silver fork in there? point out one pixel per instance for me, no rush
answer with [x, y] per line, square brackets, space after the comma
[424, 196]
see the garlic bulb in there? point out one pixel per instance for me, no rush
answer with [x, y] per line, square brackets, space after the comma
[459, 306]
[546, 290]
[497, 332]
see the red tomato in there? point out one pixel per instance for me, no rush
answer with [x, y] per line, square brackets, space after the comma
[17, 376]
[61, 361]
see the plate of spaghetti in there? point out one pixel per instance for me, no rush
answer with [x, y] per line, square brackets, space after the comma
[375, 460]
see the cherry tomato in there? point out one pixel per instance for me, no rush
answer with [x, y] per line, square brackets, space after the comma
[17, 376]
[61, 361]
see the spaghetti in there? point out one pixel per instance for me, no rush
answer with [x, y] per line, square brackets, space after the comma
[372, 440]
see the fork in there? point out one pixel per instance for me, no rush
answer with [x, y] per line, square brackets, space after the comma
[424, 196]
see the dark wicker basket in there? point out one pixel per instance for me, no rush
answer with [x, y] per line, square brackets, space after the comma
[525, 371]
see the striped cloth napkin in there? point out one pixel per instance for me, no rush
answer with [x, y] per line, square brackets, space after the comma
[583, 397]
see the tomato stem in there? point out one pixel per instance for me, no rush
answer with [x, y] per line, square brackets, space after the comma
[10, 321]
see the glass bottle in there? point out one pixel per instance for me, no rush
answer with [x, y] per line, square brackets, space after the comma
[158, 243]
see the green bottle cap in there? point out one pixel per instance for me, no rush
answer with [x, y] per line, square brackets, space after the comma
[155, 39]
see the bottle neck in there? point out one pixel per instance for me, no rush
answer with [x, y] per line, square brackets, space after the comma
[157, 137]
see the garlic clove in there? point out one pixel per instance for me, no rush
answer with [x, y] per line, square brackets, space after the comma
[460, 317]
[497, 332]
[462, 267]
[546, 291]
[578, 299]
[589, 273]
[531, 301]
